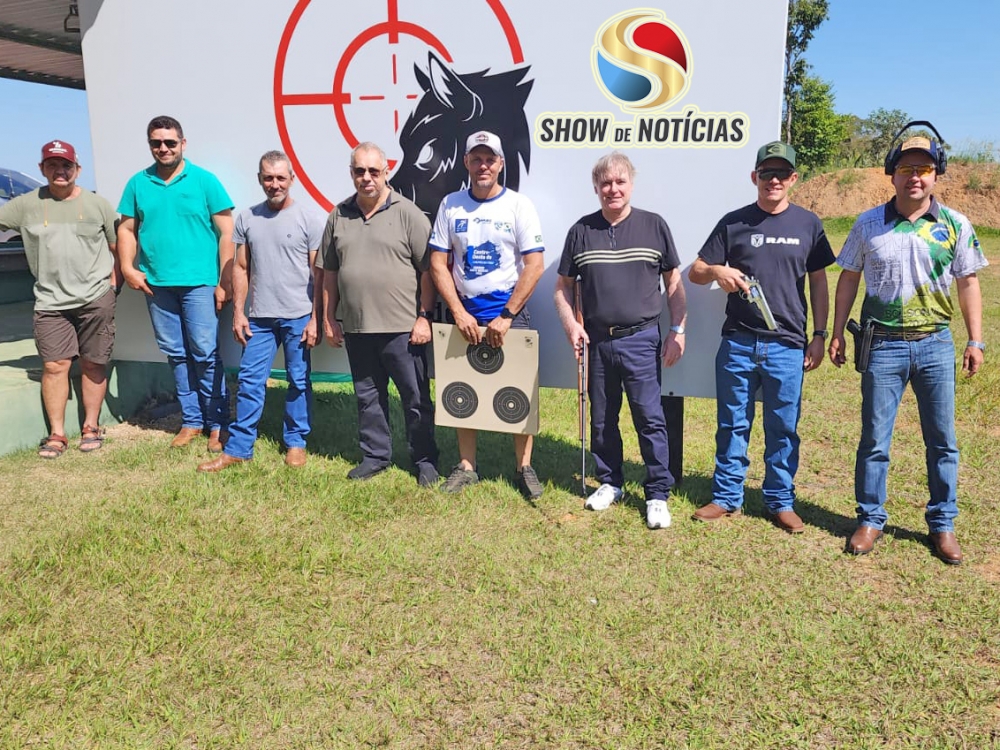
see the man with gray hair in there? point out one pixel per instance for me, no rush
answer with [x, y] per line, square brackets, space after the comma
[375, 277]
[620, 254]
[276, 245]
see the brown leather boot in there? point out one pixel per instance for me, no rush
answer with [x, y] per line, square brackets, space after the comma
[946, 547]
[185, 436]
[224, 461]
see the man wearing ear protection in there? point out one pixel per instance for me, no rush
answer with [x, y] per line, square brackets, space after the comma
[910, 250]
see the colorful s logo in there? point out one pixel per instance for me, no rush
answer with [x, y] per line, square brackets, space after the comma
[641, 60]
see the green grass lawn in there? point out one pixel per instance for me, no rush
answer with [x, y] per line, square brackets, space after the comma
[145, 606]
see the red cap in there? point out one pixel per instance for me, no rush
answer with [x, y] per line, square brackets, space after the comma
[59, 150]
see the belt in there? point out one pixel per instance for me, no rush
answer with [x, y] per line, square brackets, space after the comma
[620, 332]
[900, 334]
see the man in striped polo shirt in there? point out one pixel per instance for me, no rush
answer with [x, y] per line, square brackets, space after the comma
[620, 254]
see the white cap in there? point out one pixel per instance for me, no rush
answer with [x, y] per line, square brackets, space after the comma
[484, 138]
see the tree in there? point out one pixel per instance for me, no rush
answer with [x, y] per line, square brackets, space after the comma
[817, 131]
[878, 130]
[804, 17]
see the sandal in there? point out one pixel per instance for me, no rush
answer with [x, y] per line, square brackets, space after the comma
[91, 439]
[53, 446]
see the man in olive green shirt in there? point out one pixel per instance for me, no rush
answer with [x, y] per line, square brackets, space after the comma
[69, 243]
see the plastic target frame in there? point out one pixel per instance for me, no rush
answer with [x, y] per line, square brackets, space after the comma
[482, 388]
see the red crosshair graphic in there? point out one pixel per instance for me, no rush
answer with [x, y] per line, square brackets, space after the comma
[392, 28]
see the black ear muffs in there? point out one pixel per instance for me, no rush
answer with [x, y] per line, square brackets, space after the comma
[937, 149]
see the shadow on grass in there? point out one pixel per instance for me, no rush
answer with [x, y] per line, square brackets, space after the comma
[335, 435]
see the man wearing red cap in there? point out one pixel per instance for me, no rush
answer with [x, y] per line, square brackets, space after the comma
[69, 243]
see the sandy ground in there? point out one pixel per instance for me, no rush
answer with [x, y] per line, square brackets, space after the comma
[972, 190]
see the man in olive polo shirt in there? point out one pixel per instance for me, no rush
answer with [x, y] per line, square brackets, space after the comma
[69, 242]
[177, 222]
[375, 276]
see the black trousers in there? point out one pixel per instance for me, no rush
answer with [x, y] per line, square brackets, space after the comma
[375, 358]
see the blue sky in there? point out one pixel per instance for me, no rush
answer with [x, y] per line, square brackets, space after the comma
[936, 61]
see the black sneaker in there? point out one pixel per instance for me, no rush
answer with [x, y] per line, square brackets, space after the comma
[528, 483]
[459, 479]
[366, 470]
[427, 475]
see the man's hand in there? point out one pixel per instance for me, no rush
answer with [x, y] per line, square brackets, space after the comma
[814, 354]
[421, 331]
[673, 349]
[468, 327]
[731, 279]
[495, 331]
[137, 280]
[241, 328]
[577, 336]
[838, 349]
[972, 360]
[334, 333]
[310, 333]
[222, 296]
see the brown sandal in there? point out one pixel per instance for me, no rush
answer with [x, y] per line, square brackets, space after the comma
[53, 446]
[91, 439]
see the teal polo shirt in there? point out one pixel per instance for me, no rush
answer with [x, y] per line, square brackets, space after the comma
[178, 242]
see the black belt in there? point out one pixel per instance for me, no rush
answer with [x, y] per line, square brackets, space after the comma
[620, 332]
[900, 334]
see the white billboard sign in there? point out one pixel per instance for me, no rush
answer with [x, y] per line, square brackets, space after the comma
[688, 90]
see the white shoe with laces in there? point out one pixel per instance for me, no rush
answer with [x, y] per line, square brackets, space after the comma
[657, 514]
[603, 497]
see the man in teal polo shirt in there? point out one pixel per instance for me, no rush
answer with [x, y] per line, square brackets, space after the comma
[177, 222]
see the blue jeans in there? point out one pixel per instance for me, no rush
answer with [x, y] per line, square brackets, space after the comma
[186, 327]
[632, 364]
[928, 366]
[255, 366]
[743, 364]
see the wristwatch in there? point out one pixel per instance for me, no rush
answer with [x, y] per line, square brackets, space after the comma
[981, 345]
[679, 330]
[506, 314]
[425, 314]
[821, 333]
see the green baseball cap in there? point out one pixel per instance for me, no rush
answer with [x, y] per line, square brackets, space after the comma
[776, 150]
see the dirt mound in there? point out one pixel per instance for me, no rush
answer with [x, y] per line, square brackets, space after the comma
[972, 189]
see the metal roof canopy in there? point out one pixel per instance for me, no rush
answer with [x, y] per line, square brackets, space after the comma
[40, 42]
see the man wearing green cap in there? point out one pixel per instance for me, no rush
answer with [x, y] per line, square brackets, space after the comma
[777, 244]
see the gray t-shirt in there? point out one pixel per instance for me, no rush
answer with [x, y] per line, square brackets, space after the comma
[278, 244]
[378, 263]
[66, 244]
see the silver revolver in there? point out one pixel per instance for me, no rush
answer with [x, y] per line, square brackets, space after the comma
[756, 297]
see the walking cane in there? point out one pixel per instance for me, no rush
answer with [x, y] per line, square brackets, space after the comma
[581, 386]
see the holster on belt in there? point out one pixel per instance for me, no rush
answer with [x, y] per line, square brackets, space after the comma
[862, 343]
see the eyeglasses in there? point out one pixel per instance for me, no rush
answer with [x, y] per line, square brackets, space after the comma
[781, 173]
[373, 171]
[920, 170]
[168, 142]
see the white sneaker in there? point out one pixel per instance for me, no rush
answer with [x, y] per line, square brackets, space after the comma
[603, 497]
[657, 514]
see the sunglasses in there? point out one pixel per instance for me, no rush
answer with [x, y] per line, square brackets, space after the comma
[920, 170]
[373, 171]
[168, 142]
[782, 173]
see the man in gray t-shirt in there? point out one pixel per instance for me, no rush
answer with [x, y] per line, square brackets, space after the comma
[276, 244]
[376, 281]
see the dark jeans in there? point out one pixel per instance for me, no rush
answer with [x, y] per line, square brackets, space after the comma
[374, 358]
[632, 364]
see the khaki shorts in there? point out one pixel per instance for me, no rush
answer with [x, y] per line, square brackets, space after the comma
[87, 332]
